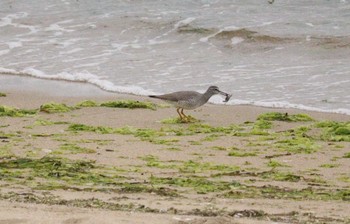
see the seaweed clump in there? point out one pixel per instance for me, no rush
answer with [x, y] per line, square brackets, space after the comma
[297, 144]
[14, 112]
[87, 103]
[130, 104]
[335, 131]
[73, 149]
[276, 116]
[98, 129]
[199, 184]
[53, 107]
[49, 167]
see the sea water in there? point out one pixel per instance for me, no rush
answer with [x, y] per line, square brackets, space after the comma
[292, 53]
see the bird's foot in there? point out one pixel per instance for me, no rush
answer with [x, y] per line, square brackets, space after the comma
[189, 119]
[180, 120]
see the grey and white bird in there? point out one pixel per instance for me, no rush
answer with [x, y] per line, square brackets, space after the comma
[190, 100]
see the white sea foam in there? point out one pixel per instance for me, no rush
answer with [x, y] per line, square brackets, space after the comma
[14, 44]
[74, 50]
[70, 42]
[9, 71]
[87, 65]
[84, 76]
[177, 25]
[301, 107]
[309, 24]
[84, 58]
[227, 28]
[236, 40]
[184, 22]
[2, 52]
[8, 21]
[58, 27]
[278, 104]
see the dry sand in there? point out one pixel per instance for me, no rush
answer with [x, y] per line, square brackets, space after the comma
[167, 175]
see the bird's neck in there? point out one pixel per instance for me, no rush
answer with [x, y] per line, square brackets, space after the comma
[206, 96]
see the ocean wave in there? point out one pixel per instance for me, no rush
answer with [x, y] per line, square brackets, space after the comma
[330, 42]
[82, 77]
[228, 33]
[193, 29]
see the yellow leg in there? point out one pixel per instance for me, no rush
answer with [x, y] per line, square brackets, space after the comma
[180, 114]
[184, 115]
[187, 118]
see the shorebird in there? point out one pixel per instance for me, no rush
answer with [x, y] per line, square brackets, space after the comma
[190, 100]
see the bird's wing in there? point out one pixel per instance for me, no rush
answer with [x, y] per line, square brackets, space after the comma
[178, 96]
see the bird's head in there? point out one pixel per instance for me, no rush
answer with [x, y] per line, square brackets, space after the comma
[213, 90]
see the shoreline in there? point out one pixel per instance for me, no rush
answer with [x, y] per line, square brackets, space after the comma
[65, 89]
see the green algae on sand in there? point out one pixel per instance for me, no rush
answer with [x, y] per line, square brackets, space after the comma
[14, 112]
[69, 148]
[297, 144]
[54, 107]
[178, 120]
[58, 172]
[200, 184]
[130, 104]
[87, 103]
[334, 131]
[277, 116]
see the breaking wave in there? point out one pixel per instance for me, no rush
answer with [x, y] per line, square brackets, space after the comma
[82, 77]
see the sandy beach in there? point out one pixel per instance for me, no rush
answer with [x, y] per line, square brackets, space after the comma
[100, 164]
[82, 142]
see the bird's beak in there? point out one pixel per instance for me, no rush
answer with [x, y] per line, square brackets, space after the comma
[222, 93]
[228, 96]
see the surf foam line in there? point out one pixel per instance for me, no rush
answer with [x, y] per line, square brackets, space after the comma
[81, 77]
[285, 105]
[86, 77]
